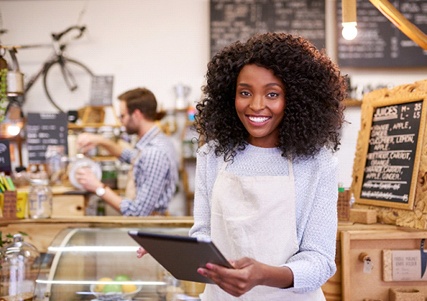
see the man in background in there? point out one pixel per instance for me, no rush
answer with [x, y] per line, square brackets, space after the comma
[153, 176]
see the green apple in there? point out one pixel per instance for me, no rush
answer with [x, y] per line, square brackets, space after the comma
[112, 288]
[122, 278]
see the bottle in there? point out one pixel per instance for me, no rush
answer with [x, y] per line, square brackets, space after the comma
[40, 199]
[19, 270]
[100, 210]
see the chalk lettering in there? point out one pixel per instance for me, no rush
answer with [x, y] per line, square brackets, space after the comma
[386, 113]
[401, 125]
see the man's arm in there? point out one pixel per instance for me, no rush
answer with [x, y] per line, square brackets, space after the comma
[87, 141]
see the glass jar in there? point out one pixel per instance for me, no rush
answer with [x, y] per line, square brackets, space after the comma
[19, 270]
[108, 133]
[92, 152]
[109, 174]
[40, 199]
[122, 176]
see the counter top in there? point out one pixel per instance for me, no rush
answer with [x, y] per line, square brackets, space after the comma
[41, 232]
[108, 220]
[58, 190]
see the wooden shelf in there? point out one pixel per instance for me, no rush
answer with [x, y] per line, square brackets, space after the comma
[352, 102]
[74, 126]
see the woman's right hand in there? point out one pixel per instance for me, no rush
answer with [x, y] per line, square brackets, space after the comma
[140, 252]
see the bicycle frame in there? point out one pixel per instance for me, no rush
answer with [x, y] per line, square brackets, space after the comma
[58, 59]
[58, 55]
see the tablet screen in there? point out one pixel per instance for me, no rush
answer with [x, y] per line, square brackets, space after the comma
[181, 255]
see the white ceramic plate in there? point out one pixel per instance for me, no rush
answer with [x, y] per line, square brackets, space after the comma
[83, 162]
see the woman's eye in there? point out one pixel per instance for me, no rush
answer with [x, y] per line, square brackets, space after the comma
[273, 95]
[245, 93]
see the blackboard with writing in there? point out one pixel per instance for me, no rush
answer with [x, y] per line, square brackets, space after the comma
[232, 20]
[379, 43]
[391, 152]
[5, 164]
[44, 129]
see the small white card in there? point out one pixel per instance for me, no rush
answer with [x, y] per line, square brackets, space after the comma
[407, 266]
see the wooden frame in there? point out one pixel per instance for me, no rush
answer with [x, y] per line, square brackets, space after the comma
[411, 99]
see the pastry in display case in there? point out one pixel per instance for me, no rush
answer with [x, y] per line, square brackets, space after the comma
[100, 264]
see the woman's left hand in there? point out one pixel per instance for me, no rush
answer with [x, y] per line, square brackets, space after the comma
[246, 274]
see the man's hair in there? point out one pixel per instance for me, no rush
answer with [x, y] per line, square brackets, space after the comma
[140, 99]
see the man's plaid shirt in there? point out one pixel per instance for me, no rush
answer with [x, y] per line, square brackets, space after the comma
[155, 172]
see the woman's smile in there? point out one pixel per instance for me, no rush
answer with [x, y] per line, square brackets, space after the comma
[258, 119]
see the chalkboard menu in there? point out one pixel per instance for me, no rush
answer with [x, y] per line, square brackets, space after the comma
[44, 129]
[391, 153]
[5, 164]
[379, 43]
[232, 20]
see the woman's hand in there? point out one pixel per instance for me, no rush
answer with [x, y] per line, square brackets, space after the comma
[246, 274]
[140, 252]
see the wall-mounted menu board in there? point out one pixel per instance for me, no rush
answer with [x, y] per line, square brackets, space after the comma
[232, 20]
[379, 43]
[44, 129]
[389, 150]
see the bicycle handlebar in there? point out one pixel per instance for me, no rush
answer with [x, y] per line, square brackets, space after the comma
[80, 29]
[55, 36]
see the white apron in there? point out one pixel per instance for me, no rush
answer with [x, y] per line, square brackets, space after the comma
[254, 216]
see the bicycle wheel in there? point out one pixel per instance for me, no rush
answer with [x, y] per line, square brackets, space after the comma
[56, 81]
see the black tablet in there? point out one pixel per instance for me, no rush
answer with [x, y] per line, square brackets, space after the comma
[181, 255]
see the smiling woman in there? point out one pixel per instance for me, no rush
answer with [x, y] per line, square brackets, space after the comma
[267, 176]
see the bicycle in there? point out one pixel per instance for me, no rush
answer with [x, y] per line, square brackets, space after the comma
[59, 72]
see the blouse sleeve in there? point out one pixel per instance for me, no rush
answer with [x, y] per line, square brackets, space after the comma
[314, 263]
[202, 210]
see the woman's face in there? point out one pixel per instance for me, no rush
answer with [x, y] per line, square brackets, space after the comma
[260, 104]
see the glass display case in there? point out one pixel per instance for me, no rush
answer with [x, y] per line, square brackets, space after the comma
[100, 264]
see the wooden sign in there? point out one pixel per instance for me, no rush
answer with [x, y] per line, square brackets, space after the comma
[390, 167]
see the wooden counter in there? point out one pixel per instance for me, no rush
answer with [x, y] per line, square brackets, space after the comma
[342, 286]
[42, 232]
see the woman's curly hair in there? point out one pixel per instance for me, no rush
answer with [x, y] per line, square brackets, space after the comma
[314, 89]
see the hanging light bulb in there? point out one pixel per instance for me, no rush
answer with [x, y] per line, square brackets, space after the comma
[349, 30]
[349, 19]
